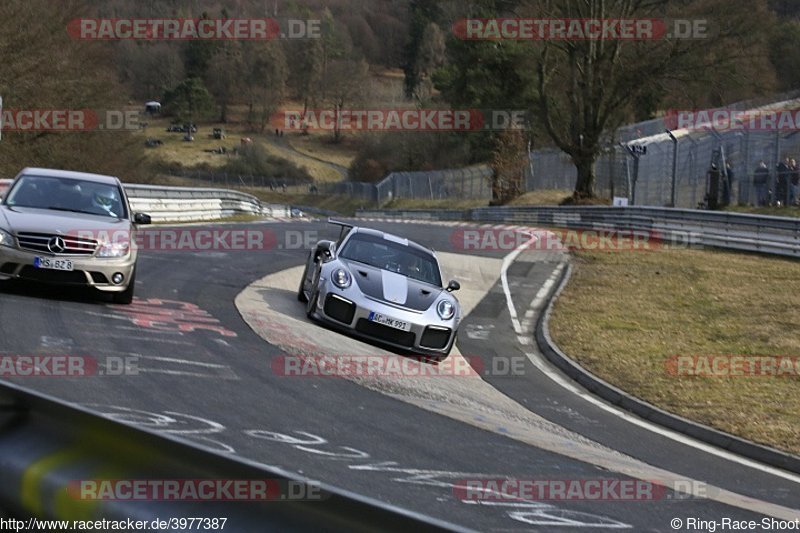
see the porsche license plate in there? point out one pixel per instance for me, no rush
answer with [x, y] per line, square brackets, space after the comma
[52, 264]
[389, 321]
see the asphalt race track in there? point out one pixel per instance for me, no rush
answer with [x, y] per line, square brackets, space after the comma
[205, 375]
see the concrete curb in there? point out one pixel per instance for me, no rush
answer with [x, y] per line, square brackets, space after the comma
[620, 398]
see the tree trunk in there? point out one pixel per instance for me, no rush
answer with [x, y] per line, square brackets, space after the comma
[337, 131]
[584, 163]
[250, 117]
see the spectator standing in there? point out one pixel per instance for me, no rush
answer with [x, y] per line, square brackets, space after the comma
[712, 199]
[794, 181]
[782, 183]
[760, 182]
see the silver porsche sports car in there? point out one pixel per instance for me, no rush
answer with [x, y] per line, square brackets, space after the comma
[60, 227]
[384, 288]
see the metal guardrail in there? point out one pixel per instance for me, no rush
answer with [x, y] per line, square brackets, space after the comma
[736, 231]
[48, 446]
[186, 204]
[164, 203]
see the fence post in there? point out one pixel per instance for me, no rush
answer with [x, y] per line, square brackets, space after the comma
[673, 202]
[746, 169]
[774, 173]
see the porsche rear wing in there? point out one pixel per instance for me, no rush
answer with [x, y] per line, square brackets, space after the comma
[346, 227]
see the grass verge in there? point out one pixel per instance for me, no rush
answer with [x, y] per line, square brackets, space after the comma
[344, 205]
[543, 197]
[791, 211]
[316, 169]
[320, 146]
[624, 314]
[420, 203]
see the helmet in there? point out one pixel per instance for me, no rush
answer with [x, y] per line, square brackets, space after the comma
[105, 199]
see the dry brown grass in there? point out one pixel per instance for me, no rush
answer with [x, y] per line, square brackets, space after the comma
[189, 154]
[319, 145]
[791, 211]
[421, 203]
[624, 314]
[543, 197]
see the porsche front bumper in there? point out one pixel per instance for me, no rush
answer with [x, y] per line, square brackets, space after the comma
[350, 310]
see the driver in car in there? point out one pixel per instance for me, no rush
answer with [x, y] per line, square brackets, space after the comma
[107, 202]
[408, 265]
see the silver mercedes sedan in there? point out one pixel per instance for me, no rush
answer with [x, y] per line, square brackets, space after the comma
[384, 288]
[69, 228]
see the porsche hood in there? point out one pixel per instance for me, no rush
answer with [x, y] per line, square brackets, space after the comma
[392, 288]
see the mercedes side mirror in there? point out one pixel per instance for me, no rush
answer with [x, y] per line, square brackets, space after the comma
[141, 218]
[453, 285]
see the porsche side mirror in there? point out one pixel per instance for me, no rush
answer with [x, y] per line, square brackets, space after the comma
[453, 285]
[326, 251]
[142, 218]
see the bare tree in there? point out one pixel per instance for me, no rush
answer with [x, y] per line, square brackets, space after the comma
[264, 81]
[430, 56]
[588, 87]
[225, 78]
[508, 165]
[305, 70]
[347, 84]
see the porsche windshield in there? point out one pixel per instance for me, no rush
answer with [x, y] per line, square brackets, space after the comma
[71, 195]
[392, 256]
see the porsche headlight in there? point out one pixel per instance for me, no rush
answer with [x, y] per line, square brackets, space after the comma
[446, 309]
[113, 249]
[341, 278]
[6, 239]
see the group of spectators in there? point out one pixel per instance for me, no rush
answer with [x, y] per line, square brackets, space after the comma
[786, 186]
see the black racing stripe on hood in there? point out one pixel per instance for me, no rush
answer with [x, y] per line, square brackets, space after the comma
[370, 281]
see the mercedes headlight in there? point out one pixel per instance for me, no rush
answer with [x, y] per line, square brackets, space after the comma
[6, 239]
[341, 278]
[446, 309]
[113, 249]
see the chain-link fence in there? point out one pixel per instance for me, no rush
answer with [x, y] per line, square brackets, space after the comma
[218, 178]
[647, 179]
[464, 183]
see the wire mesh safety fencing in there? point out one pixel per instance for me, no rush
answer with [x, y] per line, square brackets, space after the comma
[464, 183]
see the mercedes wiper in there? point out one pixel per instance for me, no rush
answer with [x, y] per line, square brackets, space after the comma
[73, 210]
